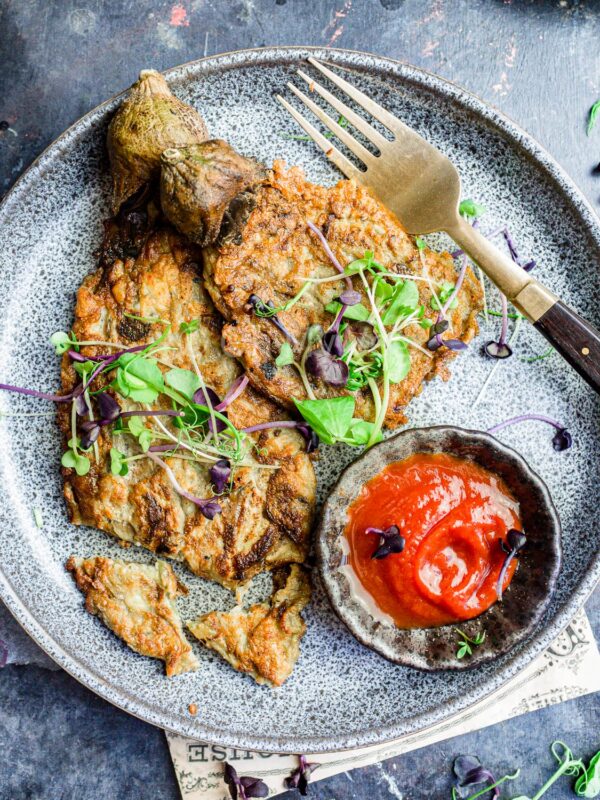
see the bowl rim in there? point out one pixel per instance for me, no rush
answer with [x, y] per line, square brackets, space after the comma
[334, 581]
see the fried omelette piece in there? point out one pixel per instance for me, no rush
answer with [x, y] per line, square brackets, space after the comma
[264, 640]
[275, 251]
[137, 602]
[267, 516]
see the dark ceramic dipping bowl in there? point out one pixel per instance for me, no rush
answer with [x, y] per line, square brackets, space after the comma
[507, 623]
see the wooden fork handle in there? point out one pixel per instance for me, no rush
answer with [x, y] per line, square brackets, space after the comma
[575, 339]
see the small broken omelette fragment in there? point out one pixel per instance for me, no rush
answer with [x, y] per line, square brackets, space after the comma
[276, 254]
[264, 640]
[137, 602]
[144, 292]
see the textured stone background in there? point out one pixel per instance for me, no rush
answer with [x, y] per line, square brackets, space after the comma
[537, 60]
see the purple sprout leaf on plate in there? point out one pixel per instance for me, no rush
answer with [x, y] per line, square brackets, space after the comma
[390, 541]
[243, 787]
[350, 297]
[220, 473]
[300, 777]
[470, 774]
[108, 407]
[332, 343]
[327, 367]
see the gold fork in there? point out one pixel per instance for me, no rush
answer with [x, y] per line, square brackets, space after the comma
[422, 187]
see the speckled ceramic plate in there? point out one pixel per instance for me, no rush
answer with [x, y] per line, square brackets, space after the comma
[341, 693]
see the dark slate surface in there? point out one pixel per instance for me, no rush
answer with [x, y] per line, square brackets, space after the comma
[536, 60]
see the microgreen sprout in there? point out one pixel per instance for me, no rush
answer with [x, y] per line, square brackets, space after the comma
[466, 643]
[262, 309]
[390, 541]
[515, 542]
[470, 209]
[243, 787]
[300, 777]
[593, 116]
[470, 774]
[189, 327]
[37, 517]
[562, 439]
[267, 311]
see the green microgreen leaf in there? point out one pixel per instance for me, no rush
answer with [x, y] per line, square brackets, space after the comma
[469, 208]
[84, 368]
[330, 418]
[421, 244]
[426, 323]
[465, 642]
[270, 311]
[139, 378]
[360, 432]
[404, 300]
[593, 116]
[398, 361]
[358, 312]
[588, 784]
[76, 461]
[183, 381]
[286, 355]
[444, 294]
[367, 262]
[189, 327]
[61, 341]
[118, 463]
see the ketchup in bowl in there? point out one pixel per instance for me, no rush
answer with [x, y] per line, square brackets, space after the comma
[453, 516]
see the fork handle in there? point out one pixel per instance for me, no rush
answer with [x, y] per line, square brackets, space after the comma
[573, 337]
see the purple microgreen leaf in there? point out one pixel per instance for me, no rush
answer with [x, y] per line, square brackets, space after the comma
[309, 436]
[220, 474]
[243, 787]
[454, 344]
[362, 333]
[108, 407]
[390, 541]
[91, 432]
[562, 440]
[80, 406]
[328, 368]
[349, 297]
[497, 350]
[333, 344]
[441, 326]
[300, 777]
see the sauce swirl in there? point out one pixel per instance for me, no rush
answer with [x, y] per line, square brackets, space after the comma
[453, 515]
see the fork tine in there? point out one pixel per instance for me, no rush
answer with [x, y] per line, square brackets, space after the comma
[380, 113]
[353, 118]
[337, 130]
[333, 154]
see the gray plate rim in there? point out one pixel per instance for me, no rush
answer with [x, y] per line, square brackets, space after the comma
[419, 723]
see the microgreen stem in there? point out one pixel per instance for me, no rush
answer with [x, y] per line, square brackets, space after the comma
[497, 783]
[237, 388]
[455, 291]
[524, 418]
[211, 411]
[319, 234]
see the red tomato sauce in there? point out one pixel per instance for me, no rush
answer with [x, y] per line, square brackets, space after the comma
[453, 515]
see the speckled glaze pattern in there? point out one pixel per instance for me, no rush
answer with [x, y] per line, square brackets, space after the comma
[341, 694]
[505, 624]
